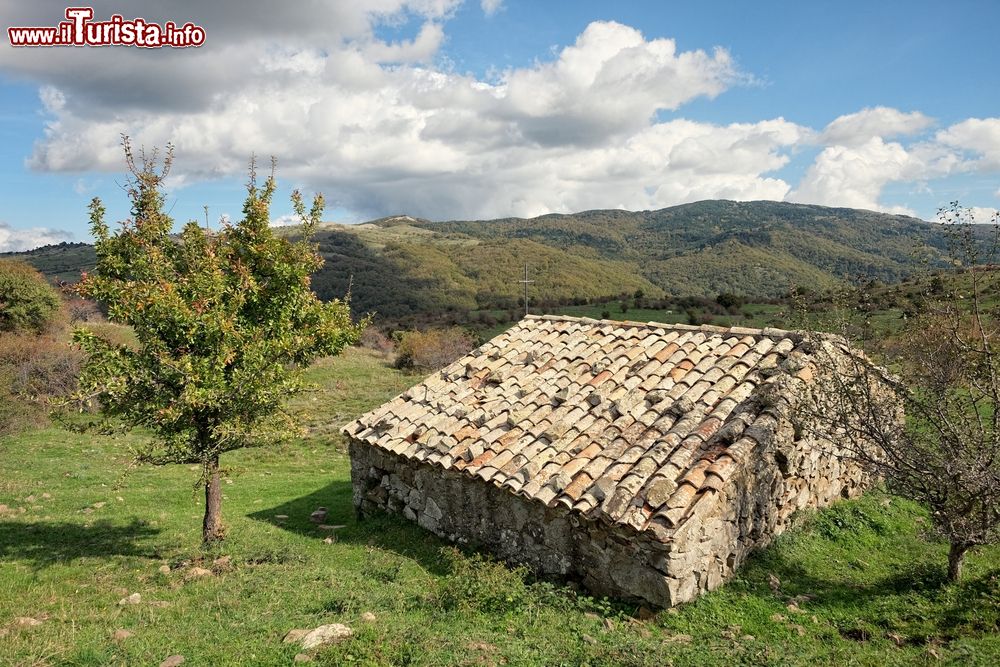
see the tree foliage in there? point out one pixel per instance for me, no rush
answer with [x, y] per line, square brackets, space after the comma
[946, 377]
[224, 321]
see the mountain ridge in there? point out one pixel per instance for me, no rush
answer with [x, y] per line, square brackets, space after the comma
[406, 268]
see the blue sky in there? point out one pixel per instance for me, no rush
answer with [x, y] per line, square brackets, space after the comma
[449, 109]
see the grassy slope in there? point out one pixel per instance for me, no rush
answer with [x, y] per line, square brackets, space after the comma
[876, 578]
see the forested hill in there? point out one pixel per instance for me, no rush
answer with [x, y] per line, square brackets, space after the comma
[405, 268]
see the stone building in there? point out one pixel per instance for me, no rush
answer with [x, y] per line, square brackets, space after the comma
[644, 460]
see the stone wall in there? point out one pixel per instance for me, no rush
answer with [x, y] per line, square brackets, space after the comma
[784, 472]
[613, 561]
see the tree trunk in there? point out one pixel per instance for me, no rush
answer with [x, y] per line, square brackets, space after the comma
[212, 529]
[956, 558]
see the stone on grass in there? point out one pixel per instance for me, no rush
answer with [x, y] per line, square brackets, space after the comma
[302, 657]
[26, 621]
[196, 572]
[165, 569]
[368, 617]
[121, 635]
[173, 661]
[294, 635]
[135, 598]
[331, 633]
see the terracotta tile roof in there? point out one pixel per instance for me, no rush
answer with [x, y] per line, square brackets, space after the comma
[625, 422]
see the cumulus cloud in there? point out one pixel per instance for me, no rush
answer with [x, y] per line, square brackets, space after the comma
[978, 136]
[852, 177]
[858, 128]
[19, 240]
[858, 159]
[379, 127]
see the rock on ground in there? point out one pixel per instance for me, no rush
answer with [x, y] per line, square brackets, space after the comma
[295, 635]
[326, 634]
[173, 661]
[195, 572]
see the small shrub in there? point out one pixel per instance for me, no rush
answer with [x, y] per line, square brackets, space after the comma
[373, 339]
[476, 583]
[432, 349]
[38, 367]
[83, 310]
[34, 370]
[27, 301]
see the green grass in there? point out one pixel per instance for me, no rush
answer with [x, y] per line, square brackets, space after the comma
[864, 581]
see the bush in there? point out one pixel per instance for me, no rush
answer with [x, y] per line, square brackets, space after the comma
[27, 301]
[34, 370]
[83, 310]
[432, 349]
[476, 583]
[373, 339]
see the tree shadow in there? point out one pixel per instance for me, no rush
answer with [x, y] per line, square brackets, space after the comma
[46, 543]
[964, 608]
[381, 530]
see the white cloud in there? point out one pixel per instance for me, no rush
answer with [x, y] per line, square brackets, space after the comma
[858, 161]
[491, 7]
[854, 176]
[19, 240]
[420, 49]
[577, 131]
[286, 220]
[979, 137]
[858, 128]
[983, 215]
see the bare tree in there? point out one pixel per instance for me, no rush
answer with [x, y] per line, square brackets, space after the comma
[943, 370]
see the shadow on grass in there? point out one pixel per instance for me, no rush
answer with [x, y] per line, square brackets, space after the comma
[382, 531]
[899, 601]
[46, 543]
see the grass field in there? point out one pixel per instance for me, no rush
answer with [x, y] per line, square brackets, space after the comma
[860, 583]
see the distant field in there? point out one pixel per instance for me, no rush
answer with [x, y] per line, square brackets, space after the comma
[864, 581]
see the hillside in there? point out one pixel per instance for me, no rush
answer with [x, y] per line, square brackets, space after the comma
[407, 269]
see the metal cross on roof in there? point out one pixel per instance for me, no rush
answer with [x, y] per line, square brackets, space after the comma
[526, 282]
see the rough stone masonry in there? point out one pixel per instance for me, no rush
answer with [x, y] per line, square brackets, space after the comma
[644, 460]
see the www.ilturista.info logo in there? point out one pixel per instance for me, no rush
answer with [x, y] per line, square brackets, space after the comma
[79, 30]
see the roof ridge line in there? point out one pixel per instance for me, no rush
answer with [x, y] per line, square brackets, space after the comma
[767, 332]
